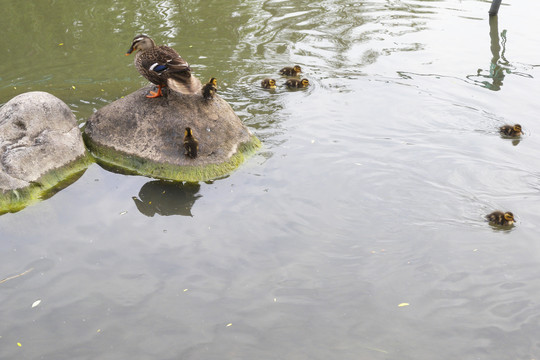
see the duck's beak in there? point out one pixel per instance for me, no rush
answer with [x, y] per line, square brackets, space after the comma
[130, 50]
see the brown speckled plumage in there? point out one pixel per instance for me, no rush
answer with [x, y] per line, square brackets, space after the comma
[161, 64]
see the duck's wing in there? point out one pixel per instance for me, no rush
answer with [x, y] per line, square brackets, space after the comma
[164, 59]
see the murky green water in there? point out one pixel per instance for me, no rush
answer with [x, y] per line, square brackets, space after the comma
[370, 190]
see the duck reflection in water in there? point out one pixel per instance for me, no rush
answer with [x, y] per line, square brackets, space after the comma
[167, 198]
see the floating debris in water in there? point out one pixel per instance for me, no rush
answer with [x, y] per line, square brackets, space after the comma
[36, 303]
[403, 304]
[123, 212]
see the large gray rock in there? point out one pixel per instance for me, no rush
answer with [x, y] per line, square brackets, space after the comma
[40, 146]
[145, 136]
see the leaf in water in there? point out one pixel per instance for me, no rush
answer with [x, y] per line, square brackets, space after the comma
[403, 304]
[229, 324]
[19, 344]
[36, 303]
[60, 44]
[123, 213]
[73, 87]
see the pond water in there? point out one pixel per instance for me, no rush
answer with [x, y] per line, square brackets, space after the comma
[356, 232]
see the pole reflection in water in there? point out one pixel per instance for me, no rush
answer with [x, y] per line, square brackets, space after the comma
[167, 198]
[496, 71]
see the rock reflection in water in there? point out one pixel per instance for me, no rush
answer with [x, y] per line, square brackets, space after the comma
[167, 198]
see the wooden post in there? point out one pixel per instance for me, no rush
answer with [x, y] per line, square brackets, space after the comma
[494, 7]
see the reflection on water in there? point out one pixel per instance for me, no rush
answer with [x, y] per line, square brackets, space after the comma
[499, 66]
[167, 198]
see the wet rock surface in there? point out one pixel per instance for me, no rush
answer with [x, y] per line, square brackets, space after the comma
[145, 135]
[39, 141]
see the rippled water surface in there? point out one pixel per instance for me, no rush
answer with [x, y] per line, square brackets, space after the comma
[369, 193]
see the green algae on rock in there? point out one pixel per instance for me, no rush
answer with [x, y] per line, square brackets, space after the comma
[41, 149]
[144, 136]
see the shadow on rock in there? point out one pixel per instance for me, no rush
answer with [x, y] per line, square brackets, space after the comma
[167, 198]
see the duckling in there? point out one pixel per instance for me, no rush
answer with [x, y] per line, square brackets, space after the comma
[500, 218]
[268, 83]
[295, 83]
[510, 130]
[291, 71]
[209, 89]
[191, 145]
[161, 64]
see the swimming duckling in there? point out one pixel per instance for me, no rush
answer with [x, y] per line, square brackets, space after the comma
[291, 71]
[161, 64]
[500, 218]
[295, 83]
[209, 89]
[510, 130]
[268, 83]
[191, 145]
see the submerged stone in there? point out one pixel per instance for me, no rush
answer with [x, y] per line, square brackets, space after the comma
[145, 136]
[41, 149]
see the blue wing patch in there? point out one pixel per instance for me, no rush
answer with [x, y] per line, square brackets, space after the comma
[158, 68]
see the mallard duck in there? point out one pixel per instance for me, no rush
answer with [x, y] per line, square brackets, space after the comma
[191, 145]
[291, 71]
[209, 89]
[500, 218]
[295, 83]
[510, 130]
[268, 83]
[162, 66]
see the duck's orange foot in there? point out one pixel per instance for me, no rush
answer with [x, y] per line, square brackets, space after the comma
[154, 94]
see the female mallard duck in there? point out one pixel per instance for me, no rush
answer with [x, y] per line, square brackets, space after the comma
[191, 145]
[500, 218]
[291, 71]
[162, 66]
[295, 83]
[209, 89]
[510, 130]
[268, 83]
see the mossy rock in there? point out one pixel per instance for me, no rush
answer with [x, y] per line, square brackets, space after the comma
[41, 149]
[144, 136]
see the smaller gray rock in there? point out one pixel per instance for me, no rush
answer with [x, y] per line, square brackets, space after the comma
[38, 136]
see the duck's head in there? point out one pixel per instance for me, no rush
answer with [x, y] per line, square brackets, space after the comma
[188, 132]
[517, 128]
[305, 82]
[272, 83]
[297, 68]
[141, 42]
[508, 216]
[213, 81]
